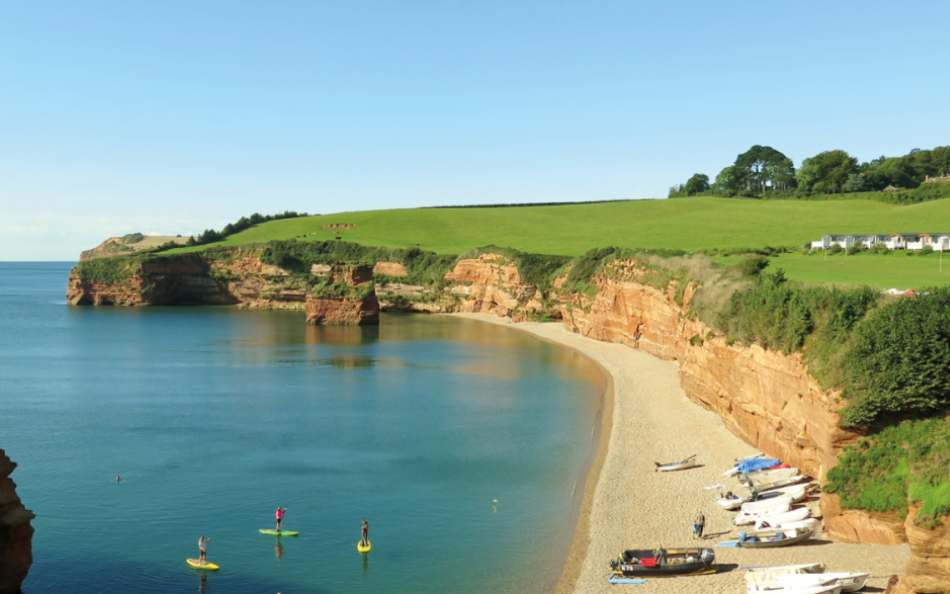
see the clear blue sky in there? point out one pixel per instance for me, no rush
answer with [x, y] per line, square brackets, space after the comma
[176, 116]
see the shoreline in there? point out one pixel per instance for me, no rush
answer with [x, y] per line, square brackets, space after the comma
[647, 417]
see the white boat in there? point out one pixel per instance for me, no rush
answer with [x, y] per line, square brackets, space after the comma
[731, 501]
[773, 519]
[777, 478]
[681, 465]
[849, 582]
[775, 505]
[763, 525]
[798, 492]
[826, 589]
[755, 574]
[796, 580]
[766, 472]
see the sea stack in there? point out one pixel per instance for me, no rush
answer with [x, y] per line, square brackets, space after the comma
[16, 534]
[342, 294]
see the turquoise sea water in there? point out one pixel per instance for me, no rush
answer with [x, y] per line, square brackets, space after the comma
[215, 416]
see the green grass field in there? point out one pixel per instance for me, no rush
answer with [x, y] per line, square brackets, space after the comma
[690, 224]
[897, 270]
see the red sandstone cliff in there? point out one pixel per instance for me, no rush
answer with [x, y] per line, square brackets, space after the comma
[16, 534]
[347, 296]
[928, 571]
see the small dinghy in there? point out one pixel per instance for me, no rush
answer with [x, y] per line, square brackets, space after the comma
[774, 519]
[731, 501]
[771, 572]
[781, 538]
[774, 505]
[640, 563]
[849, 582]
[823, 589]
[681, 465]
[771, 479]
[763, 525]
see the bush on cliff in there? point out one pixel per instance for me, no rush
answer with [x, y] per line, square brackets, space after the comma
[900, 361]
[901, 464]
[423, 268]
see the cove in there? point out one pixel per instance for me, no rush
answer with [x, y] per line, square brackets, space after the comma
[215, 416]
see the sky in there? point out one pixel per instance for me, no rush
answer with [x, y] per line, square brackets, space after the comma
[177, 116]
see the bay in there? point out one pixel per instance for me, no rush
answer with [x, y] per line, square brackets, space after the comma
[215, 416]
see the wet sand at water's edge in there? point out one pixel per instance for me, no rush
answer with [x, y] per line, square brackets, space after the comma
[626, 505]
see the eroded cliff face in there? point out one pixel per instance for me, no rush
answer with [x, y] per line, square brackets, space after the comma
[766, 398]
[242, 280]
[928, 571]
[16, 534]
[347, 298]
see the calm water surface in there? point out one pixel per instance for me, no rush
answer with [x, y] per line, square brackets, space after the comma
[215, 416]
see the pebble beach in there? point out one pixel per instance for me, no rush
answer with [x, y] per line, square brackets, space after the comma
[647, 419]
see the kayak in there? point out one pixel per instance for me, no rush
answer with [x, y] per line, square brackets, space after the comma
[361, 548]
[202, 564]
[273, 532]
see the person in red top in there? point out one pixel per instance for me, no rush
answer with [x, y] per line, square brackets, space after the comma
[365, 540]
[280, 516]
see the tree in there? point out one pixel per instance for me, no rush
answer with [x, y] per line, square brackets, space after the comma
[763, 168]
[826, 172]
[697, 184]
[729, 180]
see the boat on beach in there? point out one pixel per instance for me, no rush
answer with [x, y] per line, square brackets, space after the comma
[754, 574]
[659, 562]
[775, 505]
[681, 465]
[771, 479]
[731, 501]
[824, 589]
[779, 538]
[794, 515]
[764, 525]
[849, 582]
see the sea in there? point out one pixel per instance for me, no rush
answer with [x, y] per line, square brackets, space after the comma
[465, 445]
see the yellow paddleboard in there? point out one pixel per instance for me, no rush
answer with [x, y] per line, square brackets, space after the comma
[202, 565]
[361, 548]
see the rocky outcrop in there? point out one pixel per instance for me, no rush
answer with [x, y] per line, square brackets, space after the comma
[853, 525]
[346, 297]
[390, 269]
[242, 280]
[491, 284]
[928, 571]
[16, 534]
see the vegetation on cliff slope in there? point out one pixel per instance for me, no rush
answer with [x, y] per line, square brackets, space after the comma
[907, 462]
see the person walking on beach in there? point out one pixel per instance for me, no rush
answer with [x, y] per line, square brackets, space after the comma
[203, 549]
[365, 532]
[699, 524]
[280, 516]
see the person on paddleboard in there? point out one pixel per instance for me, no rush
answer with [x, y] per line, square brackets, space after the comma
[280, 516]
[203, 548]
[365, 532]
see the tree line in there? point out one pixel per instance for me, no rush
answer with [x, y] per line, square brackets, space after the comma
[762, 170]
[212, 236]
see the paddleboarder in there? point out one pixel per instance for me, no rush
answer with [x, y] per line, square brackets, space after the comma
[280, 516]
[365, 540]
[203, 548]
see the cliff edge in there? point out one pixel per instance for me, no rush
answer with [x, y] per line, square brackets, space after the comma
[16, 534]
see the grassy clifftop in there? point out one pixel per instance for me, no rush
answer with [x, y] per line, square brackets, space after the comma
[689, 224]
